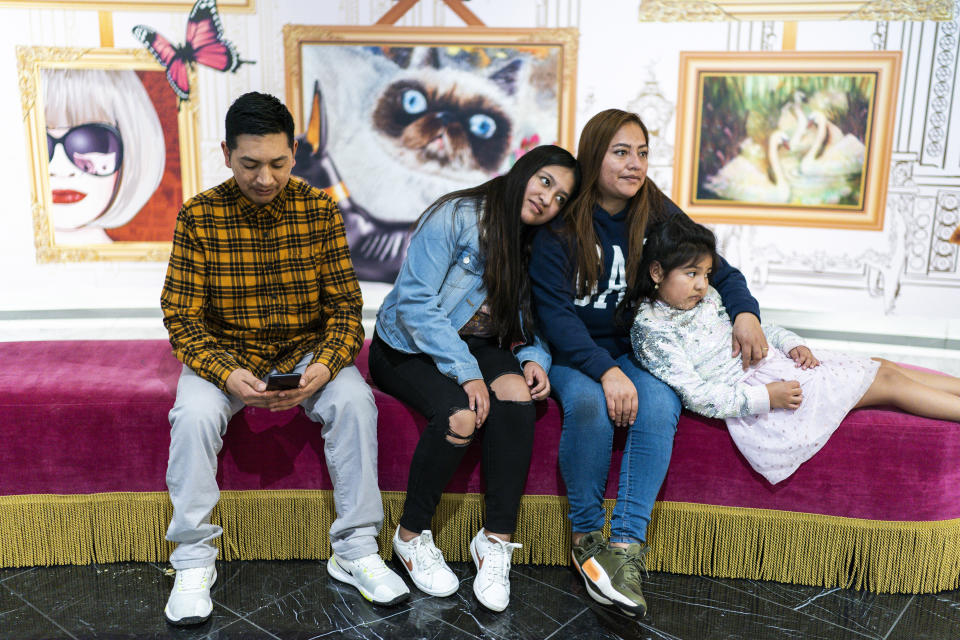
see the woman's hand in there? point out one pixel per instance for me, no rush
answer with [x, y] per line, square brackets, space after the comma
[748, 339]
[537, 380]
[786, 394]
[479, 399]
[621, 397]
[803, 357]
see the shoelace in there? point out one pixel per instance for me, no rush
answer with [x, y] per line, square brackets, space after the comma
[497, 558]
[425, 553]
[371, 565]
[633, 564]
[192, 579]
[595, 548]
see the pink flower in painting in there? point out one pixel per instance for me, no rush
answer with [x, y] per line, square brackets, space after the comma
[526, 144]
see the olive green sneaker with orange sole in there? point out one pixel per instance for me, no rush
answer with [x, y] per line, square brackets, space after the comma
[612, 574]
[590, 544]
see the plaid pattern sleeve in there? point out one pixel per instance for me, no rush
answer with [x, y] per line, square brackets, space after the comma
[183, 301]
[259, 287]
[340, 296]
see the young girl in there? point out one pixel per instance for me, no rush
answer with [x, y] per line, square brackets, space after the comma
[454, 339]
[781, 411]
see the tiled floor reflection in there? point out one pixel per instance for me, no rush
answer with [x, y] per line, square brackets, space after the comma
[297, 600]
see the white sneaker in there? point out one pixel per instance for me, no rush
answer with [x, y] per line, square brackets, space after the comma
[372, 578]
[492, 557]
[189, 602]
[424, 562]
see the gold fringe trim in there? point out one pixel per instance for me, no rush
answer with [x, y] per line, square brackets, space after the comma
[724, 542]
[805, 548]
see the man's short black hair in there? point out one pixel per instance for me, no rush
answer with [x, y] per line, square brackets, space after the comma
[257, 114]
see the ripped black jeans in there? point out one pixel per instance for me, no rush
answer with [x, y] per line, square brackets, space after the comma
[506, 436]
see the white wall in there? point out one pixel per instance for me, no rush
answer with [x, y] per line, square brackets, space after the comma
[901, 280]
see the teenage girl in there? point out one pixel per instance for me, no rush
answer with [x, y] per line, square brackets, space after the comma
[454, 339]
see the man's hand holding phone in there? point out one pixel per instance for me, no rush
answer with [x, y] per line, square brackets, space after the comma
[242, 384]
[281, 391]
[313, 379]
[283, 381]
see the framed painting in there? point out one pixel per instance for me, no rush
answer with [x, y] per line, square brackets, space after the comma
[112, 156]
[389, 119]
[791, 138]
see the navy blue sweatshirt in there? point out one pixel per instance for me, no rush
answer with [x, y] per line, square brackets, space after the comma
[582, 333]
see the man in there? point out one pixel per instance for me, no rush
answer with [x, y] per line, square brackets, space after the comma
[259, 282]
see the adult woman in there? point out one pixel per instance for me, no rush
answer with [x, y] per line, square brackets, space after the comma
[580, 269]
[446, 333]
[105, 148]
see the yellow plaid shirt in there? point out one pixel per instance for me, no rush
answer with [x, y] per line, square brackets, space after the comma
[259, 287]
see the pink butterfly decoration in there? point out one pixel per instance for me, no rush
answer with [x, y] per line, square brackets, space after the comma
[204, 44]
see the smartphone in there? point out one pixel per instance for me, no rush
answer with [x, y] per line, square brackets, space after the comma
[281, 381]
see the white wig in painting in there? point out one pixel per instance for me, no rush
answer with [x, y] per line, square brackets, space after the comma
[77, 96]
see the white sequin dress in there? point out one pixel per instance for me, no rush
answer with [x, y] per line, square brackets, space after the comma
[690, 350]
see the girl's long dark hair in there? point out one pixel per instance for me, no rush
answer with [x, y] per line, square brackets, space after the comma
[647, 205]
[505, 240]
[676, 241]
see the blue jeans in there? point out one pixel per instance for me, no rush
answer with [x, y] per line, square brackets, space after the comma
[586, 444]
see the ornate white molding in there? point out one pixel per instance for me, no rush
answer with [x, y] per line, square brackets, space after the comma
[885, 269]
[783, 10]
[943, 80]
[943, 254]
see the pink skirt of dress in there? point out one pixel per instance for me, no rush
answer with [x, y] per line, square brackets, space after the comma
[776, 443]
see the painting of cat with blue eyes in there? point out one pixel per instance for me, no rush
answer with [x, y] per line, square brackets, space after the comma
[386, 130]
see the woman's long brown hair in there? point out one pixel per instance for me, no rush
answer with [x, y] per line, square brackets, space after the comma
[647, 204]
[505, 240]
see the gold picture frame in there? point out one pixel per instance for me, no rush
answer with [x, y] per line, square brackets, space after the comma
[785, 138]
[481, 97]
[295, 37]
[132, 217]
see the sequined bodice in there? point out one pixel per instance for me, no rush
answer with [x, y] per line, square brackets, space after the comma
[691, 350]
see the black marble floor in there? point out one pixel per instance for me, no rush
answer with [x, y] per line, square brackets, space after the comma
[298, 600]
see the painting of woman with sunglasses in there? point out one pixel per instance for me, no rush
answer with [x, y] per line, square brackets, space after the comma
[105, 148]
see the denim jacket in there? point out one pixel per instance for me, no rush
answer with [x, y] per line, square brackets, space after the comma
[439, 288]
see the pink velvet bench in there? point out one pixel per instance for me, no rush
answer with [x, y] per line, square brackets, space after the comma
[84, 449]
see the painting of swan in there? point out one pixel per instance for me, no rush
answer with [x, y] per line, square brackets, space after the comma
[831, 169]
[808, 160]
[743, 180]
[833, 153]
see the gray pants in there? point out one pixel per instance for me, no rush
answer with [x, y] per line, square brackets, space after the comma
[348, 417]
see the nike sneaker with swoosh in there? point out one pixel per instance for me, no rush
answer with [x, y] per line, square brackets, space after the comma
[492, 557]
[372, 578]
[425, 564]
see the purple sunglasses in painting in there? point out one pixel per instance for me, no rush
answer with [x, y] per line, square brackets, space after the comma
[93, 137]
